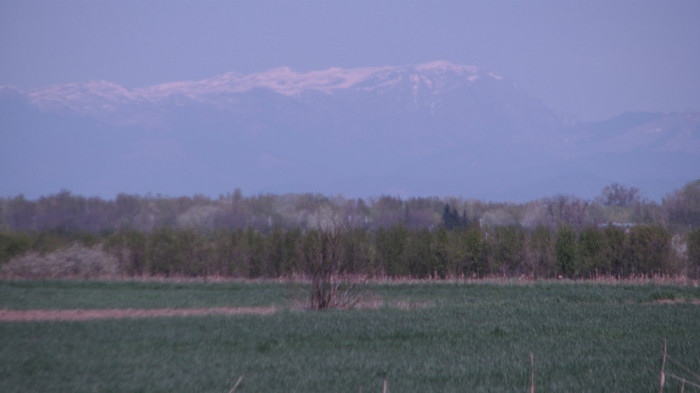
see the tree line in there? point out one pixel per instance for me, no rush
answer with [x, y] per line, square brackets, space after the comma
[679, 210]
[394, 252]
[268, 236]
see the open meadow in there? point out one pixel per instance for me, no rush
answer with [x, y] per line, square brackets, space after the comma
[418, 337]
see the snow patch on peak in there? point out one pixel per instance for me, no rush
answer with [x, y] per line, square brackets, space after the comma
[88, 97]
[495, 76]
[229, 77]
[287, 82]
[442, 65]
[99, 88]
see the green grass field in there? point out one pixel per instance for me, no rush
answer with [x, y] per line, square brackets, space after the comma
[462, 338]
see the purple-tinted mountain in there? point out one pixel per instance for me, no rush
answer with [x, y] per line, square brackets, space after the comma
[431, 129]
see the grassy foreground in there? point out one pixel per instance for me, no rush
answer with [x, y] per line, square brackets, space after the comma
[469, 338]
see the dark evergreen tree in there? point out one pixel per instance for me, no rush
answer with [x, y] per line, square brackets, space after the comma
[451, 219]
[694, 253]
[566, 253]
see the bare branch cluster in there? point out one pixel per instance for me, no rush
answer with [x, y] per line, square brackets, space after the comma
[331, 286]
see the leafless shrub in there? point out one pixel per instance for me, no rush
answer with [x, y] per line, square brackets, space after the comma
[322, 257]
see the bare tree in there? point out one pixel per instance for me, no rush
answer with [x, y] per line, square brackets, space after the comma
[619, 195]
[322, 256]
[565, 209]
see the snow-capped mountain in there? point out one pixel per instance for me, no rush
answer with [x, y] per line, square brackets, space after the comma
[431, 129]
[433, 86]
[437, 76]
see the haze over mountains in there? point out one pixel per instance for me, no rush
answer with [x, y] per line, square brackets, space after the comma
[430, 129]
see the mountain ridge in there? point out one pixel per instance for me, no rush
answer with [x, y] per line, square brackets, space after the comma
[281, 80]
[430, 129]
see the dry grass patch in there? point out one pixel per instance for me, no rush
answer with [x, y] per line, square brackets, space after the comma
[83, 315]
[678, 301]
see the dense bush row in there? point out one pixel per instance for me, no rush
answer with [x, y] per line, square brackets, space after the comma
[396, 251]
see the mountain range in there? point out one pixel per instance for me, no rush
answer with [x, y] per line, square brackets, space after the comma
[429, 129]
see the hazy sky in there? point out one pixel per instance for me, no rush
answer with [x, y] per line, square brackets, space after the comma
[593, 59]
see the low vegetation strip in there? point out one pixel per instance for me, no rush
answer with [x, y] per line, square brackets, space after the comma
[424, 337]
[82, 315]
